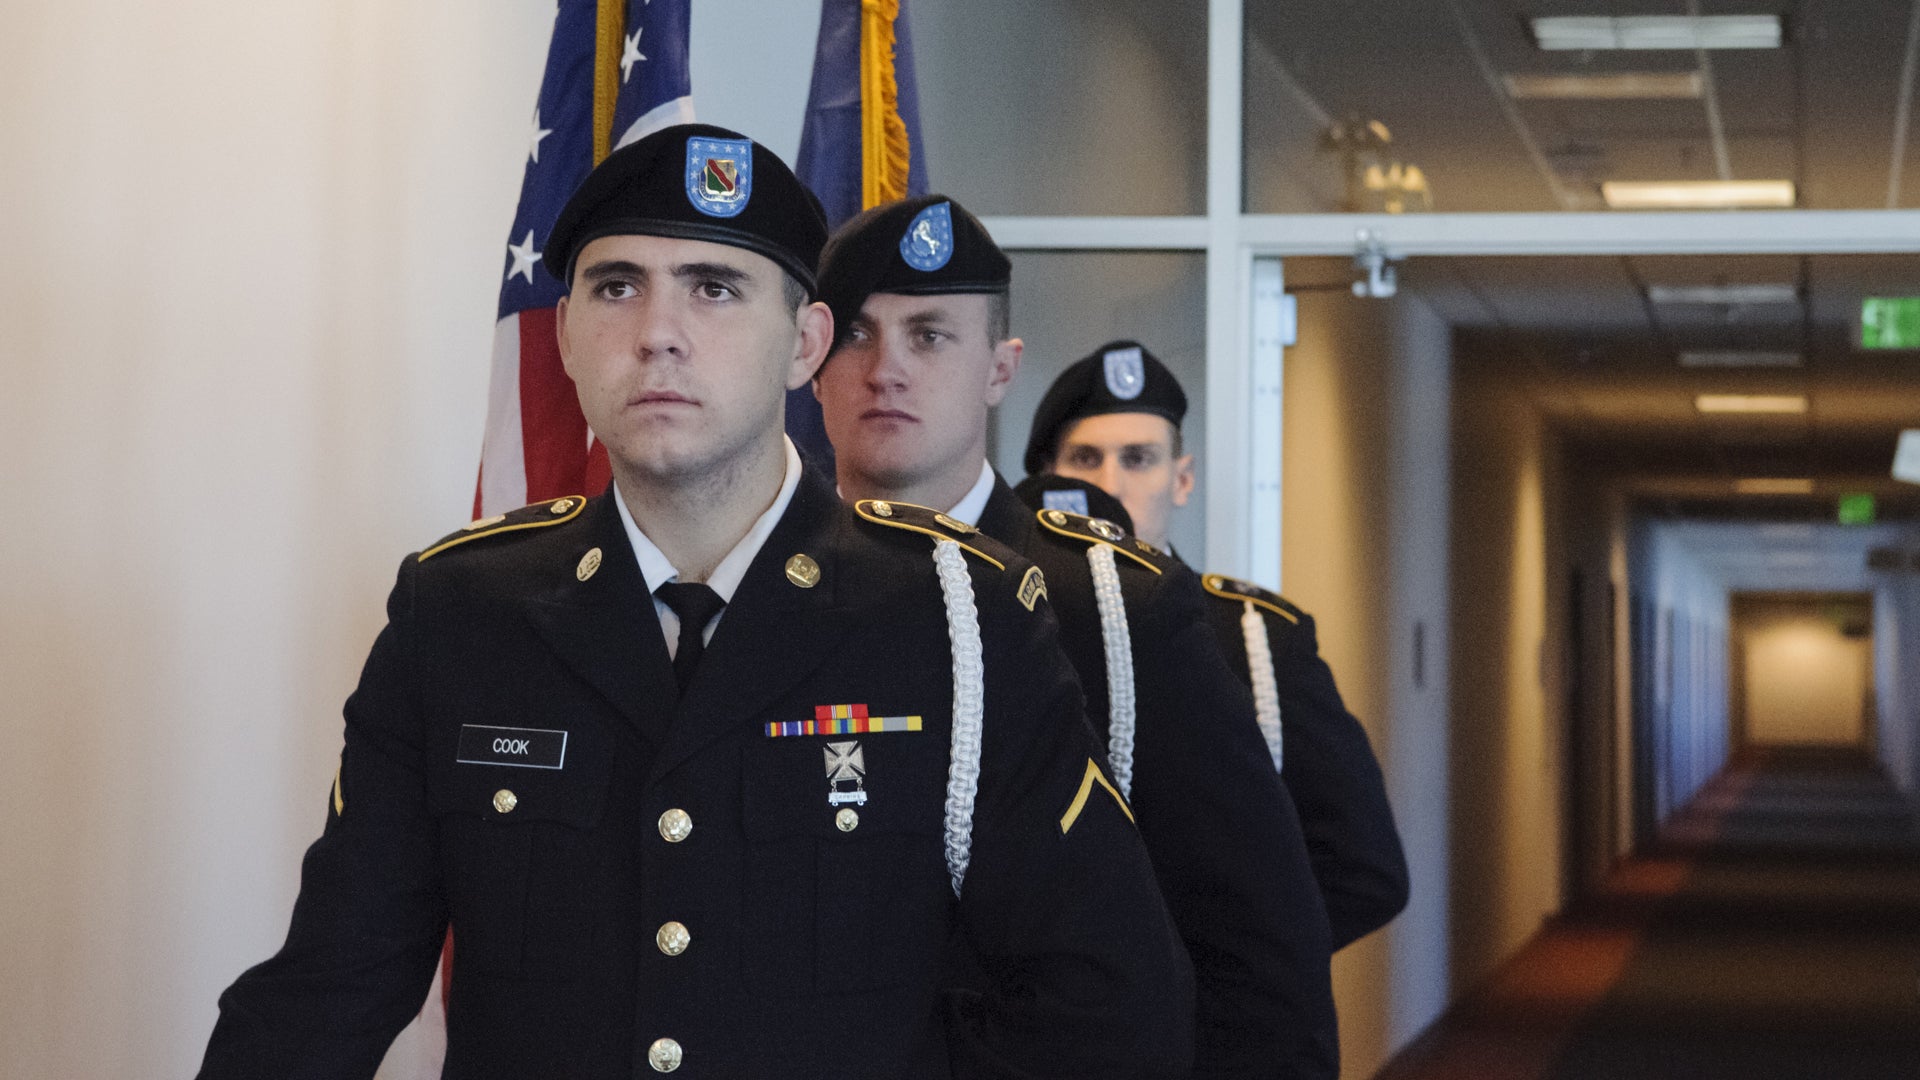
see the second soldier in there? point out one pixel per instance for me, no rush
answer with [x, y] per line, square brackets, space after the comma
[922, 351]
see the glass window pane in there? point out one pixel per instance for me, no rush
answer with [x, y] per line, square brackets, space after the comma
[1065, 108]
[1495, 122]
[1067, 304]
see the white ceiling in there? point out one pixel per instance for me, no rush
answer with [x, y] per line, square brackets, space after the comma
[1822, 111]
[1600, 357]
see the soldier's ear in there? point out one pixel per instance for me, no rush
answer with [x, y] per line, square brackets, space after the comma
[1183, 480]
[560, 330]
[1006, 364]
[815, 325]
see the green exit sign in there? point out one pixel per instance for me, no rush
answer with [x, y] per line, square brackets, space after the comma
[1856, 509]
[1890, 322]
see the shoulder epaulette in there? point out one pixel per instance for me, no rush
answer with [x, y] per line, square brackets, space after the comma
[1093, 530]
[1234, 589]
[532, 516]
[925, 520]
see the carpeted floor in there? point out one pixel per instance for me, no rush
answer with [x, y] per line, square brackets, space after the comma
[1774, 934]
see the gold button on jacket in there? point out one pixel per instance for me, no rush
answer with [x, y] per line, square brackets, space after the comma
[673, 938]
[675, 825]
[664, 1055]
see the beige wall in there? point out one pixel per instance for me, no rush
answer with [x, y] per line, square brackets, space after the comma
[248, 316]
[1364, 534]
[1804, 683]
[1508, 647]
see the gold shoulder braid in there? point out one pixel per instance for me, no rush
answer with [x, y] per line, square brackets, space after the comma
[923, 520]
[533, 516]
[1091, 530]
[1231, 589]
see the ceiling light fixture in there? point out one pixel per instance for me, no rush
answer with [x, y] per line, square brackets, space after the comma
[1587, 33]
[1697, 194]
[1751, 403]
[1780, 293]
[1774, 485]
[1626, 86]
[1739, 358]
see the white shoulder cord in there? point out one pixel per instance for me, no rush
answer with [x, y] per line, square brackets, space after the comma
[1266, 689]
[1119, 647]
[969, 705]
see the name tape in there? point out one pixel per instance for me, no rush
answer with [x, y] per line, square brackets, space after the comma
[527, 748]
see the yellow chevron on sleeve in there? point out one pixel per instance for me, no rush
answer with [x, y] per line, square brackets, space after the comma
[1093, 776]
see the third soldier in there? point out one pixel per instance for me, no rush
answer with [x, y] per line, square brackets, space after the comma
[1113, 419]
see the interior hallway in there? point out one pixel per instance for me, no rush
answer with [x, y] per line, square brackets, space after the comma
[1773, 932]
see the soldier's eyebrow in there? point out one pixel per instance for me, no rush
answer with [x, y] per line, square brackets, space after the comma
[931, 317]
[1102, 447]
[611, 268]
[712, 271]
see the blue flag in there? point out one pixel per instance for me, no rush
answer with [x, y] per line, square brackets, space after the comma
[831, 149]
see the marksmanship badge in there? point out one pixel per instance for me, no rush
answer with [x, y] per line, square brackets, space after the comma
[928, 243]
[846, 773]
[719, 175]
[1126, 373]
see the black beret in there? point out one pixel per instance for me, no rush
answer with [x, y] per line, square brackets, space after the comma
[1051, 491]
[917, 246]
[694, 182]
[1120, 377]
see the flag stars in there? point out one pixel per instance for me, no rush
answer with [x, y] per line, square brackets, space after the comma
[539, 133]
[524, 258]
[631, 55]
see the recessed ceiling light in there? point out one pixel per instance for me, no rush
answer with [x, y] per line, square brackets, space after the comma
[1774, 485]
[1697, 194]
[1751, 403]
[1587, 33]
[1777, 293]
[1738, 358]
[1626, 86]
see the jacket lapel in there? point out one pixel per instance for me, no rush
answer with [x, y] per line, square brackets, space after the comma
[774, 633]
[604, 628]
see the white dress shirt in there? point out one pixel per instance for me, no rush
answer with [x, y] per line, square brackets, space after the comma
[974, 502]
[725, 578]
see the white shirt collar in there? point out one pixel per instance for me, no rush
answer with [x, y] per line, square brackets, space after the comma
[726, 576]
[974, 503]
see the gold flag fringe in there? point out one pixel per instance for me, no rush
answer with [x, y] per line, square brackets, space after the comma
[885, 154]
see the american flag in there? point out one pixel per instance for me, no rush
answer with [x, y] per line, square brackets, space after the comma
[616, 71]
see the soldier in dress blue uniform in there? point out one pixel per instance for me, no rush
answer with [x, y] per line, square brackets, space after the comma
[919, 293]
[708, 773]
[1113, 419]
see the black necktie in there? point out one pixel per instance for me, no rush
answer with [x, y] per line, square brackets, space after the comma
[696, 604]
